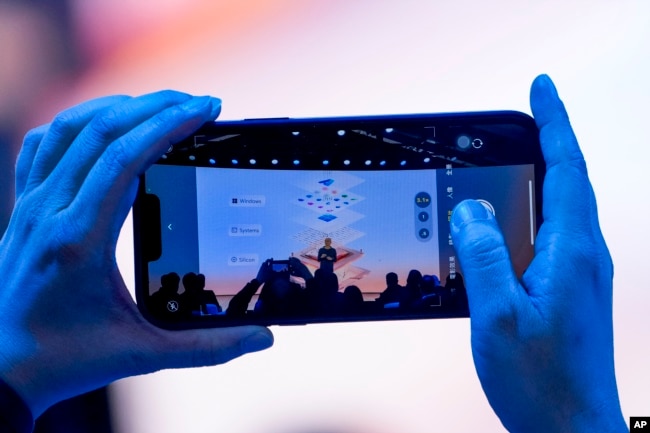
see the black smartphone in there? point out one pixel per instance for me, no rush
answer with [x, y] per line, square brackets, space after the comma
[280, 265]
[297, 221]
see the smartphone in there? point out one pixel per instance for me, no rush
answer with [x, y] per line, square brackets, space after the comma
[280, 265]
[299, 221]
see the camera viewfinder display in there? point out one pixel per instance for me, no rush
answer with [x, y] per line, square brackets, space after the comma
[321, 220]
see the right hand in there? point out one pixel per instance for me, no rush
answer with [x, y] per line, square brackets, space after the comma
[299, 269]
[543, 346]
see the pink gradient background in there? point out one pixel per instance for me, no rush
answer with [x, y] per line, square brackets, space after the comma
[305, 58]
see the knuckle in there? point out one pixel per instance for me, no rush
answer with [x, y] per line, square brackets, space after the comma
[117, 156]
[62, 124]
[216, 354]
[71, 242]
[481, 248]
[168, 116]
[171, 96]
[584, 253]
[28, 214]
[48, 233]
[598, 264]
[163, 127]
[105, 125]
[577, 161]
[35, 135]
[504, 321]
[203, 350]
[577, 260]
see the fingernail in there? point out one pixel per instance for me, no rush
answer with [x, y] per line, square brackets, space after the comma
[216, 107]
[548, 83]
[200, 103]
[258, 341]
[468, 211]
[197, 103]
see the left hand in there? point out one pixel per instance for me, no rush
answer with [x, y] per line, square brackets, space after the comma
[67, 322]
[265, 271]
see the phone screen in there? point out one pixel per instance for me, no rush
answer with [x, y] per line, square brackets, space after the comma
[282, 266]
[382, 232]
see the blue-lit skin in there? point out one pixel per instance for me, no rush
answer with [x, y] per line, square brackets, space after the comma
[543, 346]
[68, 323]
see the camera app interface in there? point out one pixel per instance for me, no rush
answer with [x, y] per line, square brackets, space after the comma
[260, 244]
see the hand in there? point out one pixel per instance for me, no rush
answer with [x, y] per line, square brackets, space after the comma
[265, 271]
[68, 324]
[299, 269]
[543, 346]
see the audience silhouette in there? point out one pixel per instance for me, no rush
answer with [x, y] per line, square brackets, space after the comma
[195, 298]
[393, 289]
[166, 302]
[320, 296]
[412, 291]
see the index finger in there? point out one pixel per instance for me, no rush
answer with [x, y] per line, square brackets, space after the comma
[107, 193]
[568, 203]
[26, 156]
[570, 227]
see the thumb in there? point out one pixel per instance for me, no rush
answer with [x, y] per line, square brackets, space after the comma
[489, 277]
[204, 347]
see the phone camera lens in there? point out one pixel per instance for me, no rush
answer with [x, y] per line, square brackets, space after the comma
[463, 142]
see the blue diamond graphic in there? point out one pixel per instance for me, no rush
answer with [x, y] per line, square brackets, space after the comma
[327, 217]
[326, 182]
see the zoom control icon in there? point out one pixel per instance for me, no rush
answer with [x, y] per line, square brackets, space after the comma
[422, 211]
